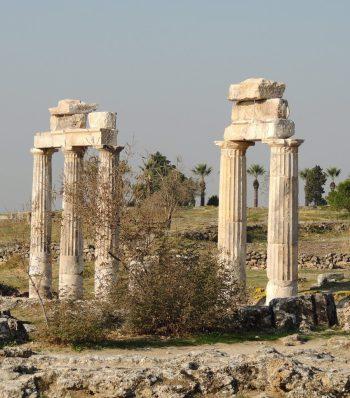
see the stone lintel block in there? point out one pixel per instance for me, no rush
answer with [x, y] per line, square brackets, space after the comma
[71, 107]
[75, 138]
[62, 122]
[256, 89]
[263, 110]
[102, 120]
[259, 130]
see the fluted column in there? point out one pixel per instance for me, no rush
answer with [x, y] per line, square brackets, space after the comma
[232, 223]
[40, 273]
[71, 245]
[282, 245]
[106, 263]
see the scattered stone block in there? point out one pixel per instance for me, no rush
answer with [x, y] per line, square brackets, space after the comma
[256, 89]
[291, 312]
[11, 329]
[323, 279]
[265, 110]
[255, 317]
[77, 121]
[102, 120]
[71, 107]
[293, 339]
[259, 130]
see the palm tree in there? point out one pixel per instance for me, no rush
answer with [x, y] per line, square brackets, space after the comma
[332, 173]
[303, 175]
[256, 171]
[202, 170]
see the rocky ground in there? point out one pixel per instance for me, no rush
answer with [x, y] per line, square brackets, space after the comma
[286, 368]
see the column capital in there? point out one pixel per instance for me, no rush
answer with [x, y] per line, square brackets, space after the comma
[280, 142]
[44, 151]
[114, 149]
[241, 145]
[79, 150]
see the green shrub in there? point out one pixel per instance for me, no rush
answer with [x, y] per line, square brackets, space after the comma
[213, 201]
[75, 323]
[339, 199]
[179, 290]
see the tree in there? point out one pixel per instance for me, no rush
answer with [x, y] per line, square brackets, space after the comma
[314, 186]
[256, 171]
[333, 173]
[303, 175]
[213, 201]
[202, 170]
[339, 198]
[154, 168]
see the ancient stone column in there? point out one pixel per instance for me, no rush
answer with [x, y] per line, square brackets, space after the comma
[71, 245]
[282, 246]
[232, 222]
[40, 273]
[106, 263]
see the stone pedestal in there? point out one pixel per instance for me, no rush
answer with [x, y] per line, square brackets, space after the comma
[282, 247]
[107, 224]
[232, 222]
[40, 235]
[71, 246]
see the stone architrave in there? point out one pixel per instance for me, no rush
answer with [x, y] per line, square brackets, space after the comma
[282, 245]
[107, 228]
[71, 245]
[232, 221]
[40, 272]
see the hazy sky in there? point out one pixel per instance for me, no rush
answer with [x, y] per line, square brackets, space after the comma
[165, 68]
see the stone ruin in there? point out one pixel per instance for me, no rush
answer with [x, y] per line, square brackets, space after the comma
[74, 127]
[260, 114]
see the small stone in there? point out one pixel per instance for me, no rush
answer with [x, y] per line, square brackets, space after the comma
[102, 120]
[265, 110]
[256, 89]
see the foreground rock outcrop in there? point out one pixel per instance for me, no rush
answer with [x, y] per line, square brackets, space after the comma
[209, 373]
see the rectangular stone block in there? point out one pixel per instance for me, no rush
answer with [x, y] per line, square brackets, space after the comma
[259, 130]
[263, 110]
[256, 89]
[102, 120]
[77, 121]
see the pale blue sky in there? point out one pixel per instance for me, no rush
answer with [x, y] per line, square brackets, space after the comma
[165, 67]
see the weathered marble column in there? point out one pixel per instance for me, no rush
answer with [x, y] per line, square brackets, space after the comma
[40, 273]
[71, 246]
[106, 263]
[282, 246]
[232, 222]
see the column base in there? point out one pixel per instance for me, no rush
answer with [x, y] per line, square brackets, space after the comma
[40, 275]
[275, 290]
[42, 285]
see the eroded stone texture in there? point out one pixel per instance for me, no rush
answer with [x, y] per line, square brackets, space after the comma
[256, 89]
[40, 273]
[71, 245]
[262, 110]
[259, 130]
[77, 121]
[282, 240]
[71, 107]
[232, 223]
[102, 120]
